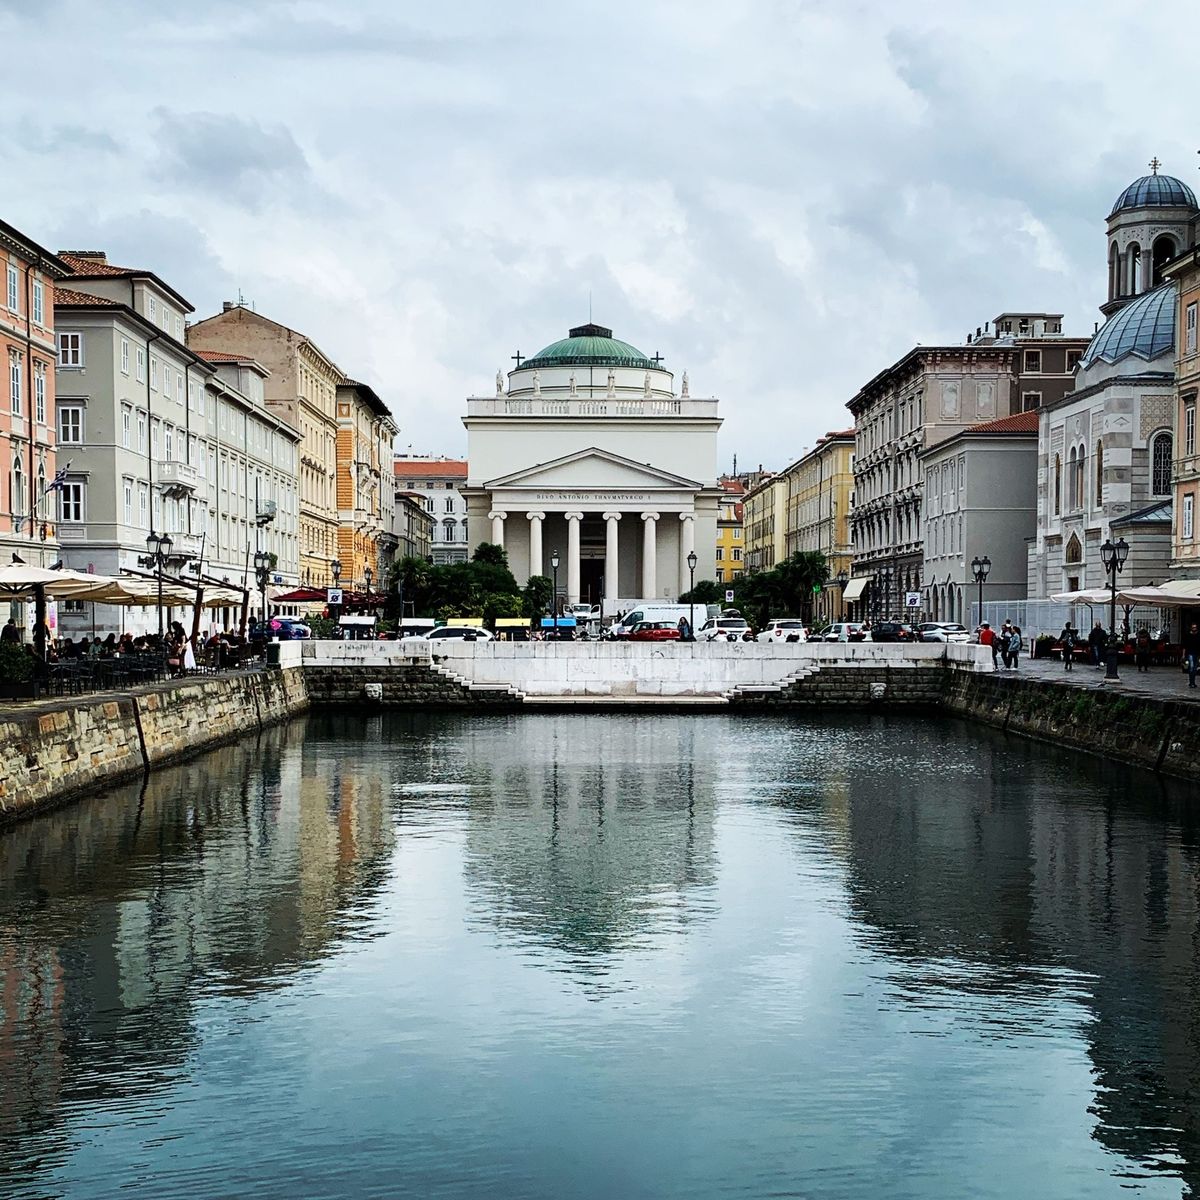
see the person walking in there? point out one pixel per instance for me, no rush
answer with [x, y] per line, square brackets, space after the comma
[1141, 650]
[1067, 639]
[1191, 652]
[987, 637]
[1014, 647]
[1096, 640]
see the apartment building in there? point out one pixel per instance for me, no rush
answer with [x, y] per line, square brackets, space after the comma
[366, 499]
[1185, 484]
[439, 483]
[28, 520]
[731, 542]
[764, 519]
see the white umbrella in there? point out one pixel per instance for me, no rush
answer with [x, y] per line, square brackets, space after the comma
[19, 579]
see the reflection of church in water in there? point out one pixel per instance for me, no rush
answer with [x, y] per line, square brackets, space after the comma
[615, 845]
[592, 454]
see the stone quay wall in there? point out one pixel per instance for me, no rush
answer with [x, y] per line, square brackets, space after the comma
[57, 751]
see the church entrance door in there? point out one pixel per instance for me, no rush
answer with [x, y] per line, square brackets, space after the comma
[591, 580]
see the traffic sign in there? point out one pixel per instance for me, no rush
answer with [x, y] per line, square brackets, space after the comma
[729, 595]
[912, 599]
[333, 596]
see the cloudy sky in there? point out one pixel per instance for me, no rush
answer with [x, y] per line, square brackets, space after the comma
[781, 196]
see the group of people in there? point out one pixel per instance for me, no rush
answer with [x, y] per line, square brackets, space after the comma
[1006, 644]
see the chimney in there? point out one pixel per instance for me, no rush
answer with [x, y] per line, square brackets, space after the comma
[226, 305]
[985, 326]
[978, 331]
[969, 338]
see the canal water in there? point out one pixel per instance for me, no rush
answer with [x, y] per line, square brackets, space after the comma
[606, 956]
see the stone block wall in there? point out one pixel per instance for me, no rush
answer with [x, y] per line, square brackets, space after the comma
[402, 685]
[867, 686]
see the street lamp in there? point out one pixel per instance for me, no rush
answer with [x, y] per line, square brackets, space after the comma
[554, 568]
[159, 550]
[262, 572]
[979, 572]
[843, 578]
[1113, 555]
[692, 560]
[367, 576]
[335, 569]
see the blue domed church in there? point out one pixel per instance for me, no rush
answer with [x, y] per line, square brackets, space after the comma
[1105, 451]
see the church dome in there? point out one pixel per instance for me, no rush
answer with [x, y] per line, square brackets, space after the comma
[590, 346]
[1155, 191]
[1144, 328]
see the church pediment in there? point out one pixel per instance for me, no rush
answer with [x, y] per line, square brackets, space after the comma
[593, 470]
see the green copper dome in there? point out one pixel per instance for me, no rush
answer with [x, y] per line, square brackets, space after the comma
[591, 346]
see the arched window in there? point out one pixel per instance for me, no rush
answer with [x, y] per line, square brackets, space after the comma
[1057, 484]
[1081, 479]
[1074, 551]
[1161, 254]
[1099, 473]
[1072, 494]
[1160, 464]
[41, 491]
[1114, 272]
[1133, 269]
[17, 507]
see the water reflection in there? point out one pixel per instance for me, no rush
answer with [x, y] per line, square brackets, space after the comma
[599, 955]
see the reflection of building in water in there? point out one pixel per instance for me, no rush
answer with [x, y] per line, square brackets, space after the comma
[1065, 889]
[615, 844]
[237, 869]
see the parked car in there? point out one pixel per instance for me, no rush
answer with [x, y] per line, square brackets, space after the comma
[892, 631]
[286, 629]
[654, 631]
[727, 629]
[462, 633]
[784, 630]
[833, 633]
[943, 631]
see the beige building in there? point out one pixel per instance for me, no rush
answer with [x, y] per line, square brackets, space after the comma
[302, 388]
[1185, 547]
[413, 525]
[366, 496]
[820, 491]
[764, 518]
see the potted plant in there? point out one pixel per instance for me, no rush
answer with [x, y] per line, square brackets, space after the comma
[17, 680]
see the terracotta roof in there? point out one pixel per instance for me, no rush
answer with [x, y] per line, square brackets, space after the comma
[733, 485]
[431, 468]
[93, 266]
[1022, 422]
[67, 296]
[222, 356]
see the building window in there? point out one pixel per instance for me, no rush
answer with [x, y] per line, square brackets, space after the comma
[1189, 329]
[127, 495]
[169, 443]
[141, 445]
[13, 288]
[141, 365]
[1189, 427]
[143, 505]
[70, 423]
[126, 421]
[124, 356]
[1188, 516]
[1160, 464]
[1030, 401]
[737, 554]
[71, 503]
[70, 349]
[153, 373]
[1073, 357]
[17, 499]
[1072, 489]
[1057, 484]
[178, 387]
[39, 394]
[39, 303]
[1099, 474]
[1033, 362]
[14, 383]
[153, 308]
[449, 504]
[720, 554]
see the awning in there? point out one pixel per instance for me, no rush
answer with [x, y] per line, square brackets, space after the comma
[855, 588]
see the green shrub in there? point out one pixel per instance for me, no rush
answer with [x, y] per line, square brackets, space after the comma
[16, 663]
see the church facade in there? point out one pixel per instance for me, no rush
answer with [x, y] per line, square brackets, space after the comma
[590, 456]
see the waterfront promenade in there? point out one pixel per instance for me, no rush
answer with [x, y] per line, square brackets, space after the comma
[1161, 683]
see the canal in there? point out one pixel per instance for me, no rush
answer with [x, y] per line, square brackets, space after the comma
[606, 956]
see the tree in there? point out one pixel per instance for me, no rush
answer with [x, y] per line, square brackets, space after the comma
[489, 552]
[536, 598]
[707, 591]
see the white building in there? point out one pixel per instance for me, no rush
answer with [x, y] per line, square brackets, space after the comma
[591, 453]
[439, 483]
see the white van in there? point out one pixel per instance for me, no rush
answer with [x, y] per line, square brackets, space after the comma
[654, 612]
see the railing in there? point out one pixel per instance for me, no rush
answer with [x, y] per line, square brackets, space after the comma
[615, 407]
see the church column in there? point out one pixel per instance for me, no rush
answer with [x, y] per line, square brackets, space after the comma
[612, 560]
[687, 543]
[573, 519]
[535, 542]
[497, 520]
[649, 555]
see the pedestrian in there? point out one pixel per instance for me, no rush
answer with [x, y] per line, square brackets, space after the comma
[1067, 641]
[1191, 652]
[10, 632]
[1096, 640]
[987, 637]
[1141, 650]
[685, 630]
[1014, 646]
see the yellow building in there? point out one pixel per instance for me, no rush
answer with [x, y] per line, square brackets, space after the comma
[730, 540]
[1185, 474]
[302, 388]
[764, 521]
[820, 487]
[366, 496]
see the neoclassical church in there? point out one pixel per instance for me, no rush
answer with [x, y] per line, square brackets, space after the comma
[1105, 450]
[590, 454]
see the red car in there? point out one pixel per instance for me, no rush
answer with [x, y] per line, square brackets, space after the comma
[654, 631]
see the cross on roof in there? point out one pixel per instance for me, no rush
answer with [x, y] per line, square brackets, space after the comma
[517, 358]
[656, 358]
[1155, 164]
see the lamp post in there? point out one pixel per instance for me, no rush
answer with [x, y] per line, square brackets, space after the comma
[692, 560]
[843, 578]
[1113, 555]
[262, 571]
[367, 576]
[979, 572]
[159, 550]
[554, 601]
[335, 569]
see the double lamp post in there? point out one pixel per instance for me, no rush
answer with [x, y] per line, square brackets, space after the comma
[1113, 556]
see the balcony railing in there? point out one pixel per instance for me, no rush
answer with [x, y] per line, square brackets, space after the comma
[177, 479]
[520, 406]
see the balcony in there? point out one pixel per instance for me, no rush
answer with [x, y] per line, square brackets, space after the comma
[176, 479]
